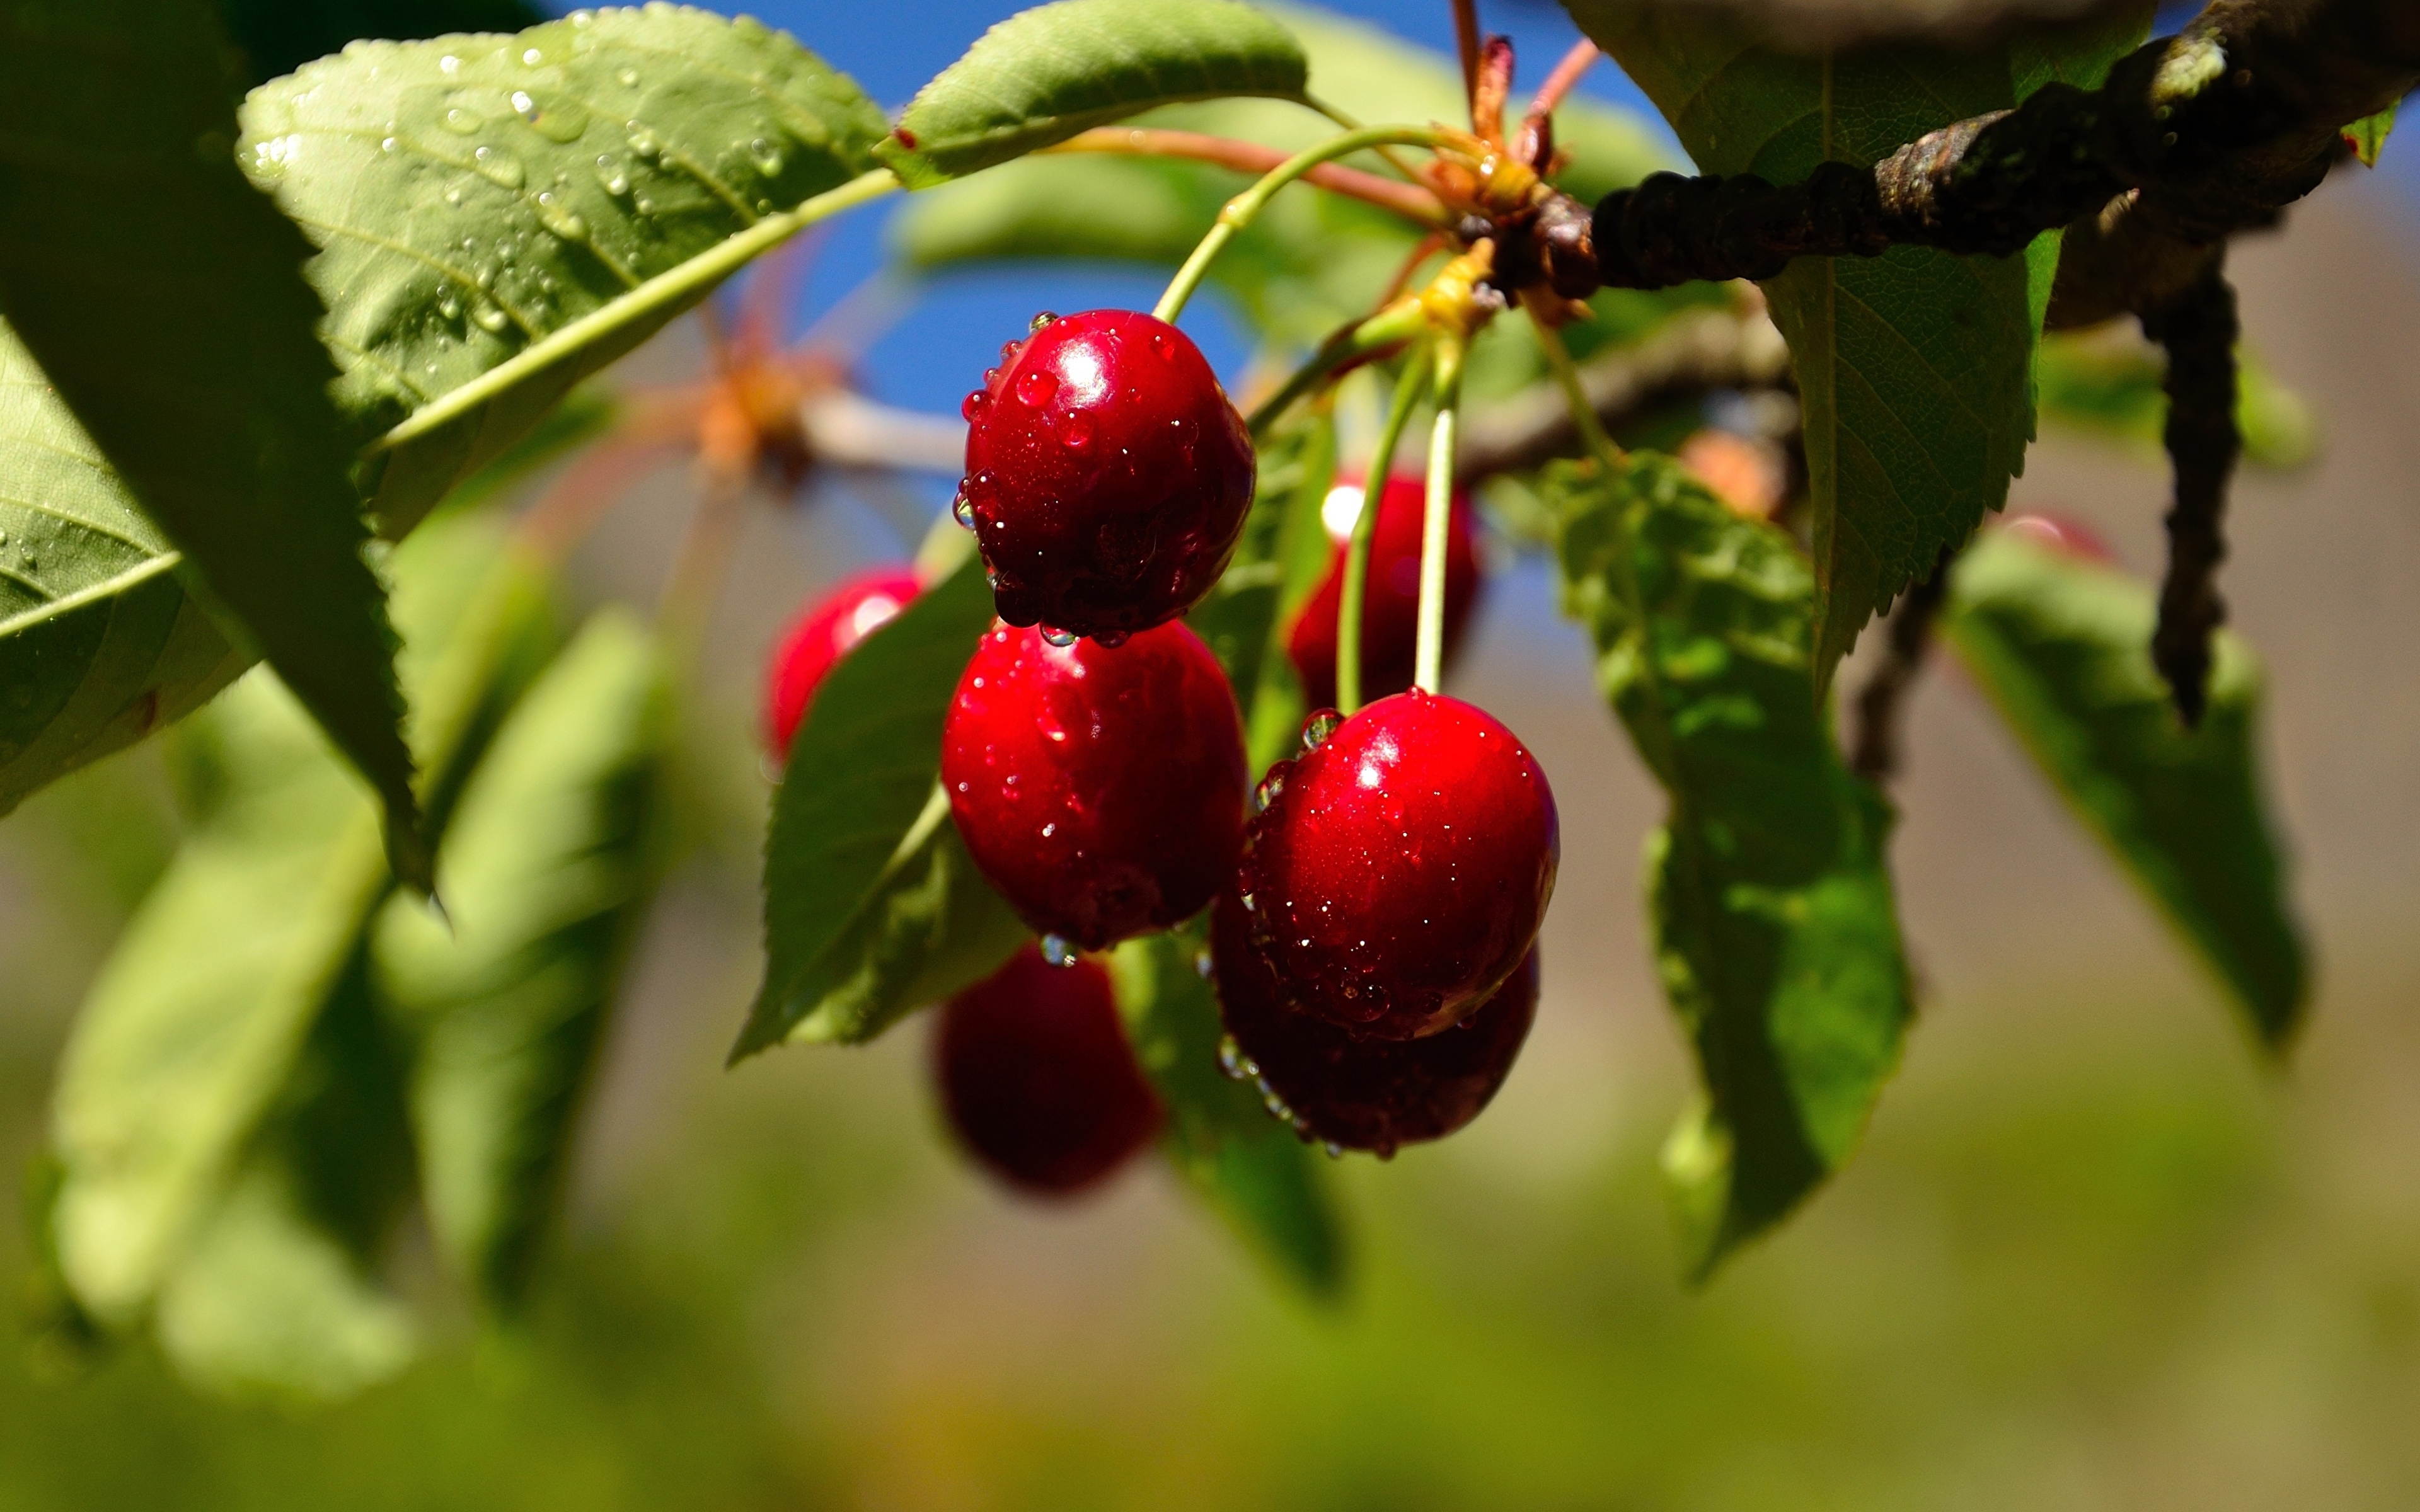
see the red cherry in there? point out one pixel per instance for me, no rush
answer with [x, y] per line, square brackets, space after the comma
[2063, 534]
[1106, 475]
[1401, 867]
[1356, 1093]
[820, 636]
[1037, 1077]
[1390, 612]
[1100, 788]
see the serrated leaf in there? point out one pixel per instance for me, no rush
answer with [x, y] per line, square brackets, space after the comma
[2062, 646]
[1045, 74]
[1776, 932]
[2109, 382]
[161, 296]
[2367, 135]
[1913, 367]
[199, 1017]
[500, 217]
[548, 870]
[1252, 1170]
[872, 907]
[100, 643]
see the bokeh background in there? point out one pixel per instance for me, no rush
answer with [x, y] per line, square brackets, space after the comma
[2092, 1256]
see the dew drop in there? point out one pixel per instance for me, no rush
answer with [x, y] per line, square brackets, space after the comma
[765, 156]
[1335, 1150]
[532, 57]
[1232, 1062]
[1076, 434]
[391, 145]
[973, 405]
[1036, 387]
[629, 77]
[460, 122]
[4, 537]
[448, 306]
[1317, 729]
[643, 204]
[1008, 350]
[1062, 639]
[609, 174]
[962, 509]
[499, 167]
[1203, 964]
[1108, 640]
[490, 318]
[1041, 319]
[1058, 952]
[1163, 343]
[1267, 792]
[560, 218]
[642, 139]
[1246, 899]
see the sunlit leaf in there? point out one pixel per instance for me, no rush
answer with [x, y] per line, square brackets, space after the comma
[2367, 135]
[160, 296]
[1045, 74]
[499, 217]
[2063, 647]
[1776, 932]
[1251, 1169]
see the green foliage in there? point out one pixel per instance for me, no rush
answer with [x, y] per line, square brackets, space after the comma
[188, 355]
[547, 201]
[2061, 645]
[1278, 562]
[1251, 1168]
[2107, 383]
[548, 870]
[1775, 933]
[2367, 135]
[99, 642]
[1045, 74]
[872, 907]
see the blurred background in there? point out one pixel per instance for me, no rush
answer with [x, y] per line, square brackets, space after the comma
[2092, 1254]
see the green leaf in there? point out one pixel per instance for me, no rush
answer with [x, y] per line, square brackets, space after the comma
[1776, 932]
[1913, 367]
[1252, 1170]
[1278, 558]
[2062, 646]
[160, 296]
[99, 642]
[2108, 382]
[872, 907]
[1045, 74]
[500, 217]
[548, 870]
[200, 1016]
[2367, 135]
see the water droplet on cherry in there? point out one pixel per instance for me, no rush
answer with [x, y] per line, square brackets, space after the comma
[972, 404]
[1062, 639]
[1317, 729]
[1041, 319]
[1036, 387]
[1059, 952]
[1076, 432]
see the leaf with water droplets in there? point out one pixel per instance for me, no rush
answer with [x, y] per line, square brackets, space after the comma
[1045, 74]
[872, 906]
[158, 294]
[547, 202]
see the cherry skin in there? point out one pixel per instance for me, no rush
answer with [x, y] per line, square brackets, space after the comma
[2062, 533]
[1401, 867]
[1359, 1093]
[1107, 477]
[1390, 608]
[819, 637]
[1036, 1077]
[1099, 789]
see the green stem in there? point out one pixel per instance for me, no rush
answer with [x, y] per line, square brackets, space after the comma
[1399, 323]
[664, 296]
[1429, 658]
[1238, 213]
[1567, 374]
[1356, 556]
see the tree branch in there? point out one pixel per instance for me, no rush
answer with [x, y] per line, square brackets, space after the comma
[1880, 702]
[2198, 329]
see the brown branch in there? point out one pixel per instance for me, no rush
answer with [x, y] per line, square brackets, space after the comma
[1410, 201]
[2198, 328]
[1534, 144]
[1881, 701]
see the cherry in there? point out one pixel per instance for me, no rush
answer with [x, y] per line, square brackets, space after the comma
[2062, 533]
[1401, 866]
[1357, 1093]
[1106, 475]
[819, 637]
[1099, 789]
[1037, 1077]
[1390, 609]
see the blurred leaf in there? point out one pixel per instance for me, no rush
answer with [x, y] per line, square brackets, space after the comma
[188, 355]
[2108, 382]
[1045, 74]
[500, 217]
[280, 36]
[2062, 646]
[548, 870]
[591, 412]
[871, 907]
[1913, 367]
[1774, 928]
[1279, 559]
[1251, 1169]
[2367, 135]
[100, 643]
[200, 1014]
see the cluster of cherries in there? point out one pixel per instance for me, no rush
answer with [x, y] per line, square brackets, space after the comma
[1375, 905]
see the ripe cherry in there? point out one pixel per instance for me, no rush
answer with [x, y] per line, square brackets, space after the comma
[1357, 1093]
[2062, 533]
[820, 636]
[1401, 866]
[1100, 788]
[1037, 1077]
[1390, 608]
[1106, 475]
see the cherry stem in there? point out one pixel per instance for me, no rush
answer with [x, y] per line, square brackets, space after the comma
[1592, 433]
[1465, 43]
[1559, 84]
[1400, 322]
[1350, 602]
[1239, 212]
[689, 593]
[1410, 201]
[1429, 658]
